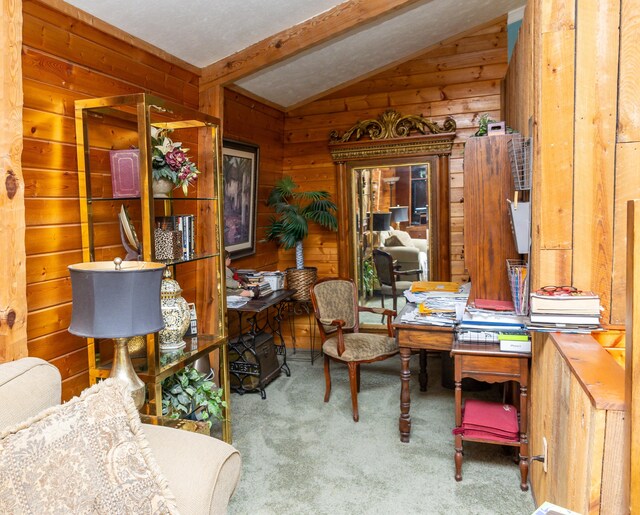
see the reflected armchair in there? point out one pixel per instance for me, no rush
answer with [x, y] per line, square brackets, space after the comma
[393, 281]
[335, 305]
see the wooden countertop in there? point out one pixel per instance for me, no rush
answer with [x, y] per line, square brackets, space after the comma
[598, 373]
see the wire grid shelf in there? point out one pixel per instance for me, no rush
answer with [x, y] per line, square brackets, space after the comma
[518, 271]
[520, 156]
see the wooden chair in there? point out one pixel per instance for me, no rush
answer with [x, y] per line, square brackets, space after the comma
[390, 277]
[335, 305]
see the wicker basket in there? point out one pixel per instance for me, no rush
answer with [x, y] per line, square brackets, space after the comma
[301, 281]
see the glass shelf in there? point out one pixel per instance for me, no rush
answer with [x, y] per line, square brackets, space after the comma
[186, 260]
[157, 199]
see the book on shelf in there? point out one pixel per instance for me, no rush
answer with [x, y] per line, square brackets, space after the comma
[565, 319]
[585, 302]
[186, 225]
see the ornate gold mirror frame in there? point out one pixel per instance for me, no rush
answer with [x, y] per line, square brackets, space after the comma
[384, 140]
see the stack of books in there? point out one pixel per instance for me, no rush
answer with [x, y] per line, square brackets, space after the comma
[258, 279]
[186, 224]
[576, 311]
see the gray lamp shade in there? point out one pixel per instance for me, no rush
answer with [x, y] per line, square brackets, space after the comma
[110, 303]
[381, 221]
[399, 214]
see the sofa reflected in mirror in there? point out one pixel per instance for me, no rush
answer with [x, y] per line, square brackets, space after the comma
[396, 164]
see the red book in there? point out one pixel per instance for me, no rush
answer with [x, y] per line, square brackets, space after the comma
[496, 305]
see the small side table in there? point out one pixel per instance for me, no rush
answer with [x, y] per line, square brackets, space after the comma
[486, 362]
[296, 308]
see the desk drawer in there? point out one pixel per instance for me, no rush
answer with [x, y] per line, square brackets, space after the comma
[425, 339]
[490, 367]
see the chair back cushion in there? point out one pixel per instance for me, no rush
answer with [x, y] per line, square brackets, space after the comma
[336, 300]
[383, 262]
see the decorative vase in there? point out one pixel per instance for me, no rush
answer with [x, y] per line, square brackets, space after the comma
[175, 313]
[161, 188]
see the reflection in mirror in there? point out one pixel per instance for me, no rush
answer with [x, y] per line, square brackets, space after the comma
[392, 214]
[393, 204]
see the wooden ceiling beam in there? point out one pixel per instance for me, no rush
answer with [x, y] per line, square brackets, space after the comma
[289, 42]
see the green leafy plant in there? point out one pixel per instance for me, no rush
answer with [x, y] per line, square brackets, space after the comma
[368, 276]
[483, 124]
[294, 210]
[189, 392]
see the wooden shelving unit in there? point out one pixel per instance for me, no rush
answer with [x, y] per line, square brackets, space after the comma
[123, 122]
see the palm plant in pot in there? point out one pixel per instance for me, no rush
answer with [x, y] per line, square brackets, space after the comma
[290, 225]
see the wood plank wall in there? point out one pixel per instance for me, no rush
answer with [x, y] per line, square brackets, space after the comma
[573, 72]
[460, 78]
[13, 302]
[65, 59]
[250, 121]
[578, 147]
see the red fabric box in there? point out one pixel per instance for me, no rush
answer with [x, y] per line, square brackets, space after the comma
[489, 420]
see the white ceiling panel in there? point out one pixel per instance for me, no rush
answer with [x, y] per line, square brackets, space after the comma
[202, 32]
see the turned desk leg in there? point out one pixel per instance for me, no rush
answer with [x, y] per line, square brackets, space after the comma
[458, 407]
[405, 401]
[524, 428]
[424, 375]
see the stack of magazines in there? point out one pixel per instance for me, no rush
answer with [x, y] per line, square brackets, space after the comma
[564, 309]
[486, 326]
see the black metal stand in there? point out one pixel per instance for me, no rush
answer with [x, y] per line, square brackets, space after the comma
[297, 308]
[253, 355]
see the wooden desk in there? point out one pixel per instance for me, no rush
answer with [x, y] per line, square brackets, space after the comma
[486, 362]
[412, 337]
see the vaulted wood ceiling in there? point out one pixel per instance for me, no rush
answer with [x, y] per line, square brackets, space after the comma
[288, 52]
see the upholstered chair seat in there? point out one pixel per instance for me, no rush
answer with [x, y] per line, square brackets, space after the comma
[335, 305]
[361, 347]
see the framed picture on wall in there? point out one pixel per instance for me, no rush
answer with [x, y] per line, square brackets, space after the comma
[240, 183]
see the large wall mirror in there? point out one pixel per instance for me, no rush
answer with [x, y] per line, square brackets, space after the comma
[393, 202]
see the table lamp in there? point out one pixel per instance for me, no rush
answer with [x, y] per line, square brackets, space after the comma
[399, 214]
[117, 300]
[381, 222]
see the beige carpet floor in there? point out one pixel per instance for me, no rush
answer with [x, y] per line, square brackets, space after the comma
[303, 456]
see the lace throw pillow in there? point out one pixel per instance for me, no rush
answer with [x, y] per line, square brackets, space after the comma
[88, 455]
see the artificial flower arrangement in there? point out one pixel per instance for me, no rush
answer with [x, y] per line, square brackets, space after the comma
[170, 161]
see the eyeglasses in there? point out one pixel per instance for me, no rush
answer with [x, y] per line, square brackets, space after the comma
[558, 290]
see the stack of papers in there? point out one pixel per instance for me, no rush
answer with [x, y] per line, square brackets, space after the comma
[236, 301]
[414, 316]
[486, 326]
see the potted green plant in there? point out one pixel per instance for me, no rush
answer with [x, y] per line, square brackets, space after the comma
[290, 225]
[191, 394]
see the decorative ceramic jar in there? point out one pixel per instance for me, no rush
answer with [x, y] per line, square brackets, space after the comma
[161, 188]
[175, 313]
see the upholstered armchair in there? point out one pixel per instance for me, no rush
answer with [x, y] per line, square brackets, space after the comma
[408, 253]
[198, 473]
[393, 280]
[335, 305]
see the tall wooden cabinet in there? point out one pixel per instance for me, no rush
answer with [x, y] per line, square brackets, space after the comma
[124, 122]
[488, 238]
